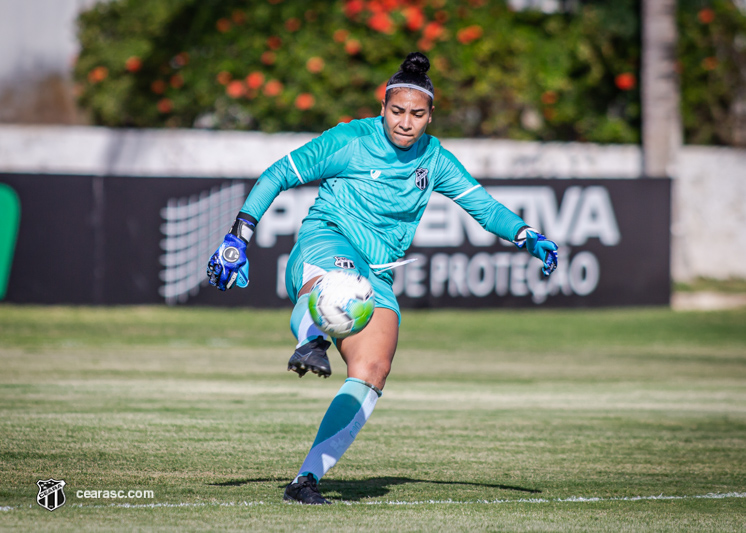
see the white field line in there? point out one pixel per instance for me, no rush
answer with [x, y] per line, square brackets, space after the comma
[571, 499]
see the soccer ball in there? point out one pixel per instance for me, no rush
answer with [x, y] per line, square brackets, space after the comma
[341, 303]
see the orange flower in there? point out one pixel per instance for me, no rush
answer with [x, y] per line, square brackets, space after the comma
[414, 17]
[305, 101]
[165, 105]
[133, 64]
[235, 89]
[255, 80]
[340, 36]
[425, 45]
[625, 81]
[381, 22]
[273, 88]
[274, 42]
[469, 34]
[353, 47]
[706, 15]
[549, 98]
[432, 31]
[98, 74]
[441, 16]
[345, 118]
[158, 86]
[238, 17]
[353, 7]
[292, 24]
[223, 25]
[315, 65]
[268, 58]
[177, 81]
[224, 77]
[381, 91]
[709, 63]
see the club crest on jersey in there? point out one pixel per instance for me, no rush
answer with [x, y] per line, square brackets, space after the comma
[420, 178]
[51, 496]
[343, 262]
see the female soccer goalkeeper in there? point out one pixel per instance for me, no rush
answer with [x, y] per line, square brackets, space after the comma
[377, 175]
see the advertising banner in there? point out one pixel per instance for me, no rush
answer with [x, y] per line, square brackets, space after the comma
[128, 240]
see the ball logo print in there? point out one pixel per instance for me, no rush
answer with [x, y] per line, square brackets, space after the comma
[231, 254]
[51, 494]
[341, 303]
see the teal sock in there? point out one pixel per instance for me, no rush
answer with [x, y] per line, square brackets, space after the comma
[348, 412]
[301, 323]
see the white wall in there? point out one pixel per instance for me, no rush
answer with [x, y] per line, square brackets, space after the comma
[709, 213]
[709, 202]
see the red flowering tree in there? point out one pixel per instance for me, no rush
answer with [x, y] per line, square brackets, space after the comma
[305, 65]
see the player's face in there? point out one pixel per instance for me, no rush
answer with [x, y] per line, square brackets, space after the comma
[406, 116]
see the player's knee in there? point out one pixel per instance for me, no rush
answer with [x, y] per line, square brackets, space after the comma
[379, 370]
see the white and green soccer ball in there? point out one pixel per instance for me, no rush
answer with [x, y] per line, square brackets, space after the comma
[341, 303]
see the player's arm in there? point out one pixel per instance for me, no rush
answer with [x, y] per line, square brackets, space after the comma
[323, 157]
[455, 182]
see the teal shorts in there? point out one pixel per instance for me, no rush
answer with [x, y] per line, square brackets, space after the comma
[320, 249]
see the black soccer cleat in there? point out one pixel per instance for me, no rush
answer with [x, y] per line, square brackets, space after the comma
[311, 356]
[305, 491]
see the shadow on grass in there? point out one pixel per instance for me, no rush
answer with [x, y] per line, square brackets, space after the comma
[357, 489]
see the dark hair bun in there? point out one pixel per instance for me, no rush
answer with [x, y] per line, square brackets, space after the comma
[416, 63]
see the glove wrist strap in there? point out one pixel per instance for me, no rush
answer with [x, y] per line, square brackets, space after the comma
[520, 237]
[243, 227]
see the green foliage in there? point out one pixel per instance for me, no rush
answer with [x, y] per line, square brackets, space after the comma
[292, 65]
[712, 65]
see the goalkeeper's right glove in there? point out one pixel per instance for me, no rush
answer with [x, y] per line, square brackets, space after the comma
[228, 265]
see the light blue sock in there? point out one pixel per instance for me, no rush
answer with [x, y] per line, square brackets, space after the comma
[302, 324]
[348, 412]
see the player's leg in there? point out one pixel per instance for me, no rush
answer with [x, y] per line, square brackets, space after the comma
[368, 363]
[310, 352]
[318, 250]
[368, 355]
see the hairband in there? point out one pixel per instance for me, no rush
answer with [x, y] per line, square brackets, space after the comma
[410, 86]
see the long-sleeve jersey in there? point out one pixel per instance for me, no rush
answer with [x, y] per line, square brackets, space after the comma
[376, 193]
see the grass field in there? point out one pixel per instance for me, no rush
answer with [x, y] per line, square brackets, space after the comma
[617, 420]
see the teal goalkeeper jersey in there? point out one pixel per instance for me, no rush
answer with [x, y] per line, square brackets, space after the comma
[374, 192]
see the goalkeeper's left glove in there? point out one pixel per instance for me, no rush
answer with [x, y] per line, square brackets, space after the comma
[538, 246]
[229, 265]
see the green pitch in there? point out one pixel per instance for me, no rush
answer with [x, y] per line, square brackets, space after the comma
[491, 420]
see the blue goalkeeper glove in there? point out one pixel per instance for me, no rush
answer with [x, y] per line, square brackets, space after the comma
[228, 265]
[538, 246]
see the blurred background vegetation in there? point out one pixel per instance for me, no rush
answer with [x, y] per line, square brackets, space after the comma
[306, 65]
